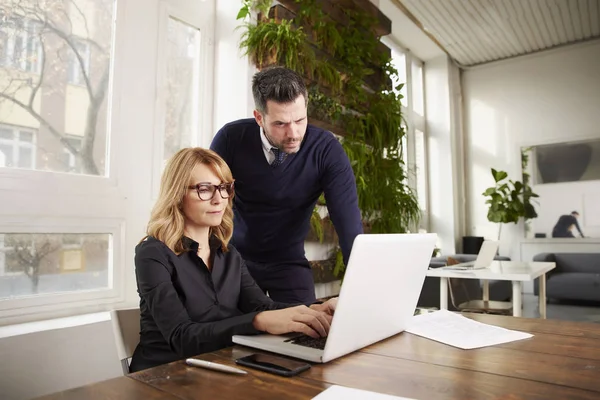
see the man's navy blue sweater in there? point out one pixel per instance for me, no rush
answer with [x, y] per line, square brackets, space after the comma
[273, 205]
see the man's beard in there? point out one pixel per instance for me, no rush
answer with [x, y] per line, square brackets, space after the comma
[281, 145]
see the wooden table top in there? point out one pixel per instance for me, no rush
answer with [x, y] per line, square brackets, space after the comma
[561, 361]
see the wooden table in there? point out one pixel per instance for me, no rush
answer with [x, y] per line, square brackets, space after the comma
[562, 361]
[514, 271]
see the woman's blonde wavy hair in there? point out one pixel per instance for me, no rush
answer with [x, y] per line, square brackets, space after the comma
[167, 220]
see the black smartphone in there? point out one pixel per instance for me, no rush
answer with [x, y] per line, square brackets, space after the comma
[276, 365]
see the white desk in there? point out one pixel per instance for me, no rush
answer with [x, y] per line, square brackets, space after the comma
[514, 271]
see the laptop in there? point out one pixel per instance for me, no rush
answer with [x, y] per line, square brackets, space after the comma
[383, 281]
[486, 255]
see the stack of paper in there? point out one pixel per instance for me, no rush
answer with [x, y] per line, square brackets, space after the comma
[459, 331]
[345, 393]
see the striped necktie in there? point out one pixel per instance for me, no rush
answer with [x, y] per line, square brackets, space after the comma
[279, 157]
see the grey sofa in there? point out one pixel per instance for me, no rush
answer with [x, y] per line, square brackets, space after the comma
[576, 276]
[430, 294]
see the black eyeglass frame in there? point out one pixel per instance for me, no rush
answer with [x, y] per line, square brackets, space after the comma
[227, 187]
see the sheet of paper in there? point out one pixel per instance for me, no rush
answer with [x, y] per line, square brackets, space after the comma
[459, 331]
[345, 393]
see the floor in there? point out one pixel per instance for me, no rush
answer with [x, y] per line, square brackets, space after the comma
[564, 311]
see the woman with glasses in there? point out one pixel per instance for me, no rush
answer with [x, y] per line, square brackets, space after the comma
[195, 290]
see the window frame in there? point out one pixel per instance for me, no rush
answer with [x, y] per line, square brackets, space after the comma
[119, 201]
[32, 305]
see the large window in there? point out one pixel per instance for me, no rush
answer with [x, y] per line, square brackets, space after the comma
[58, 43]
[86, 105]
[54, 175]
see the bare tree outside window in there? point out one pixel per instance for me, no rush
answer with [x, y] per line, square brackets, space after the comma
[39, 263]
[54, 78]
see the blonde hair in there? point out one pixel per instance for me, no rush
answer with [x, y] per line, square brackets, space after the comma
[167, 220]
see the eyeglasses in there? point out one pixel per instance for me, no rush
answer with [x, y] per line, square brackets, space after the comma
[207, 191]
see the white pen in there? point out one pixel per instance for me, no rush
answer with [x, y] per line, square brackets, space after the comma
[214, 366]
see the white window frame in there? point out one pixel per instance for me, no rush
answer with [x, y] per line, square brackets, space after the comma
[119, 202]
[41, 304]
[17, 144]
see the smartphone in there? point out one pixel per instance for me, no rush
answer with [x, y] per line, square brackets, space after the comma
[276, 365]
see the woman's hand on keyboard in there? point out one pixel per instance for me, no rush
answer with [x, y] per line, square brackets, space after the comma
[299, 319]
[328, 307]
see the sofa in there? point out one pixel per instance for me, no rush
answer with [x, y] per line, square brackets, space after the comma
[576, 276]
[430, 294]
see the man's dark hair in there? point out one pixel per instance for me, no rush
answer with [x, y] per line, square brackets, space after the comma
[277, 84]
[574, 213]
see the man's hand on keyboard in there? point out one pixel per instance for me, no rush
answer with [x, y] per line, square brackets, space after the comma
[328, 307]
[299, 319]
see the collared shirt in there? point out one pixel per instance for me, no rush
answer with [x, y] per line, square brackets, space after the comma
[187, 309]
[268, 147]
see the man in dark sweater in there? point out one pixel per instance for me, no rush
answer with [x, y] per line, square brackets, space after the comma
[281, 165]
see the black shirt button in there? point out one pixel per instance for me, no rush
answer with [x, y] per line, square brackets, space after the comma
[216, 302]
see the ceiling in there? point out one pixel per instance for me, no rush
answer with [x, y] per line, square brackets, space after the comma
[474, 32]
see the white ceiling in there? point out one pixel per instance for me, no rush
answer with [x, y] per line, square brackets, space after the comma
[479, 31]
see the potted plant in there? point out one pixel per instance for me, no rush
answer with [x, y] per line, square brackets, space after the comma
[508, 200]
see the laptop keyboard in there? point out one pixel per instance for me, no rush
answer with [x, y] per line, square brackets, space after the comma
[307, 341]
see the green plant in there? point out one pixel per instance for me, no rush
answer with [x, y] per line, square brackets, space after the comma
[505, 199]
[270, 42]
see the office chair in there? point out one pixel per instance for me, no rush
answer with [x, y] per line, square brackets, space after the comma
[474, 306]
[126, 327]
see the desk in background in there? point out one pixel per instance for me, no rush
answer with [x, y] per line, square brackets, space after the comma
[514, 271]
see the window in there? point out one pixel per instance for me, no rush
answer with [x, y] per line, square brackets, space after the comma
[17, 147]
[62, 209]
[20, 45]
[414, 143]
[416, 82]
[41, 101]
[79, 63]
[78, 160]
[33, 264]
[421, 169]
[182, 80]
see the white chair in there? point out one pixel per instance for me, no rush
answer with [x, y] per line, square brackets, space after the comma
[126, 327]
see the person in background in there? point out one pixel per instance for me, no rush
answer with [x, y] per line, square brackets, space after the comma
[564, 226]
[195, 290]
[282, 165]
